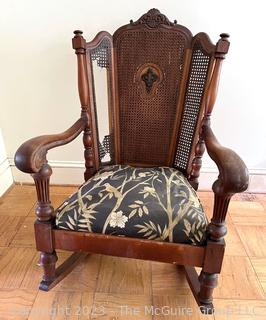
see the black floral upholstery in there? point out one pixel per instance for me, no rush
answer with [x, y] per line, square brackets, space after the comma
[151, 203]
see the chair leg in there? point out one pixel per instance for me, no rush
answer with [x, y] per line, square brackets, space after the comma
[48, 262]
[53, 275]
[208, 281]
[202, 287]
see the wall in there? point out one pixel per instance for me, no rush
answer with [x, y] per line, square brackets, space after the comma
[39, 87]
[6, 178]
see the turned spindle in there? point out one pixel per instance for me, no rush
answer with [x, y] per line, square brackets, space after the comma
[91, 163]
[197, 163]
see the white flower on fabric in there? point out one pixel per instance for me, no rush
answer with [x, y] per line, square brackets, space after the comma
[149, 189]
[118, 220]
[142, 174]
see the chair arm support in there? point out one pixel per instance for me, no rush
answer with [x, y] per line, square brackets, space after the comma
[233, 173]
[31, 155]
[233, 178]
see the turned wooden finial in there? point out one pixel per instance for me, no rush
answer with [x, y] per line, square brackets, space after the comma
[78, 42]
[221, 49]
[224, 35]
[222, 46]
[78, 32]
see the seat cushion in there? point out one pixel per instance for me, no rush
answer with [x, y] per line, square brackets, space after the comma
[151, 203]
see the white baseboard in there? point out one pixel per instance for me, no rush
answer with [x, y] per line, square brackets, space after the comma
[257, 180]
[6, 178]
[64, 172]
[71, 172]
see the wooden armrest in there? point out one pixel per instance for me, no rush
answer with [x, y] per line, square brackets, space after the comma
[31, 155]
[233, 173]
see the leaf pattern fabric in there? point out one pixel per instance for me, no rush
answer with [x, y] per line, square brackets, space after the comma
[151, 203]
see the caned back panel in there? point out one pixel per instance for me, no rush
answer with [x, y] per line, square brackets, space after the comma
[154, 120]
[199, 71]
[147, 116]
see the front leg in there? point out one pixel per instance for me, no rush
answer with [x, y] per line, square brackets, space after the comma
[216, 231]
[202, 287]
[48, 262]
[208, 281]
[43, 226]
[43, 235]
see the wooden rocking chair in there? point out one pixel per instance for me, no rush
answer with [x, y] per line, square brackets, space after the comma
[141, 203]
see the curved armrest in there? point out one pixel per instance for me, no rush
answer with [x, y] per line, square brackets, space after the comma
[31, 155]
[233, 173]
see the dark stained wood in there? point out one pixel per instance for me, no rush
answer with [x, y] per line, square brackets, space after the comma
[90, 46]
[197, 163]
[44, 223]
[205, 41]
[162, 143]
[31, 155]
[195, 286]
[198, 145]
[233, 174]
[44, 209]
[208, 281]
[62, 271]
[214, 253]
[233, 178]
[193, 280]
[180, 103]
[48, 261]
[43, 236]
[129, 247]
[90, 136]
[117, 150]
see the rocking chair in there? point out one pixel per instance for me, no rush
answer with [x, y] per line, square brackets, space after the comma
[141, 202]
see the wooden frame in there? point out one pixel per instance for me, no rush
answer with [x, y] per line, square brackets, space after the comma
[233, 178]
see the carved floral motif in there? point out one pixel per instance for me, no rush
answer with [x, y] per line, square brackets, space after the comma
[149, 78]
[153, 19]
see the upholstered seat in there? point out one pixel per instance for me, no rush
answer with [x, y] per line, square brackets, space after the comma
[152, 203]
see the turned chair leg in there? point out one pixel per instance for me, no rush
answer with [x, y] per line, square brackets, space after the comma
[208, 281]
[48, 262]
[44, 229]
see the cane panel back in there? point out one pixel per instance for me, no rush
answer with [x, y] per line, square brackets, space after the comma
[157, 74]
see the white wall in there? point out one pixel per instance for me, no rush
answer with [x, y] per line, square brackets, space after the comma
[38, 69]
[6, 178]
